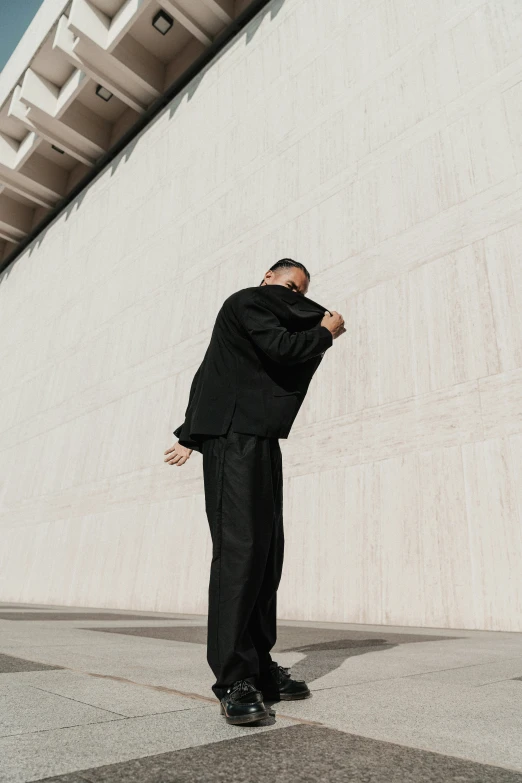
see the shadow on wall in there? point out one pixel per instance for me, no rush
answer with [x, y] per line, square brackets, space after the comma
[248, 34]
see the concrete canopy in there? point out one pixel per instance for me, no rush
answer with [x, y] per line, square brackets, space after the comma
[80, 78]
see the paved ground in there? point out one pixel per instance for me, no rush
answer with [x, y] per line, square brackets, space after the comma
[105, 695]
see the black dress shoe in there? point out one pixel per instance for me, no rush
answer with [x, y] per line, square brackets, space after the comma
[276, 684]
[243, 703]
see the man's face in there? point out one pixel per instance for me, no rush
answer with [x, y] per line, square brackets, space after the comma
[293, 278]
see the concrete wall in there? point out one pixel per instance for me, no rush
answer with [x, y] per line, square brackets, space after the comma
[380, 143]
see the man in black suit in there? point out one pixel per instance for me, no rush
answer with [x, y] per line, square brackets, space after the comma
[266, 344]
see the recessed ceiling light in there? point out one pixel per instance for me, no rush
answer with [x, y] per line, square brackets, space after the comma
[162, 22]
[103, 92]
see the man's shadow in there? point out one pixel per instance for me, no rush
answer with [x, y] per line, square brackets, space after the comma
[324, 657]
[326, 649]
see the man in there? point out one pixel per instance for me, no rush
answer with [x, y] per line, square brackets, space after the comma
[266, 344]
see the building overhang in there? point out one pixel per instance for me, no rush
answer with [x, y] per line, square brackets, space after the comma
[86, 77]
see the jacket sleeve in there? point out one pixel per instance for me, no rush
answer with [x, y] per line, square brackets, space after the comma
[181, 432]
[280, 345]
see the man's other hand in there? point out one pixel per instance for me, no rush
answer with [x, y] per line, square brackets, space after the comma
[334, 323]
[177, 454]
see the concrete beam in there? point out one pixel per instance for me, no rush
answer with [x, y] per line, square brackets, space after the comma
[88, 21]
[15, 219]
[117, 76]
[71, 90]
[133, 60]
[26, 186]
[67, 139]
[13, 153]
[6, 236]
[224, 9]
[8, 150]
[65, 124]
[27, 147]
[172, 8]
[124, 19]
[46, 176]
[5, 248]
[29, 174]
[120, 63]
[148, 71]
[98, 66]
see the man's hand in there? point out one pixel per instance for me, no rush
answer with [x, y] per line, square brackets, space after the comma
[177, 454]
[334, 323]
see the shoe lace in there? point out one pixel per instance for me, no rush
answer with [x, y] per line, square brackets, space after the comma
[282, 672]
[243, 686]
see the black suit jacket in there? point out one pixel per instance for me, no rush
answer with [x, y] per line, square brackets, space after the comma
[266, 344]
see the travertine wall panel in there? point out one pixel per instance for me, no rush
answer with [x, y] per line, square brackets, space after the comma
[379, 143]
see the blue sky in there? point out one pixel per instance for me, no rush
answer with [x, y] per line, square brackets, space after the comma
[15, 17]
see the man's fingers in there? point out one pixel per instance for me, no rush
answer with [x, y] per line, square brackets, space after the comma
[177, 459]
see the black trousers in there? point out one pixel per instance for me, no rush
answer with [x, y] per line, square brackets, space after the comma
[243, 481]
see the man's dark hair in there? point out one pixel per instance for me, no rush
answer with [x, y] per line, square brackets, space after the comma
[288, 262]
